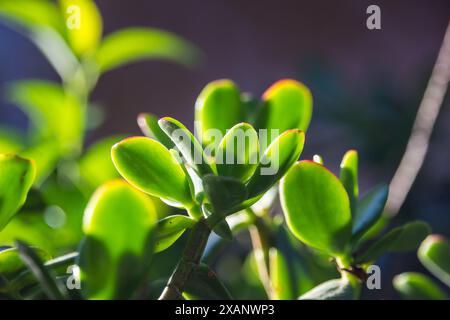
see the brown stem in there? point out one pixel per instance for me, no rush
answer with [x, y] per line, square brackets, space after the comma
[418, 142]
[189, 261]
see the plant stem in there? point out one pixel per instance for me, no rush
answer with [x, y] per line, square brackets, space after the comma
[418, 142]
[261, 244]
[189, 261]
[344, 265]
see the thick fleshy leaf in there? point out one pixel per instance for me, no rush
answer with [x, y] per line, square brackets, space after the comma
[237, 153]
[188, 145]
[54, 289]
[217, 109]
[280, 277]
[288, 105]
[417, 286]
[349, 177]
[134, 44]
[316, 207]
[368, 211]
[32, 13]
[83, 25]
[150, 127]
[96, 166]
[54, 112]
[405, 238]
[203, 284]
[337, 289]
[119, 224]
[224, 193]
[434, 253]
[282, 153]
[170, 229]
[16, 177]
[150, 167]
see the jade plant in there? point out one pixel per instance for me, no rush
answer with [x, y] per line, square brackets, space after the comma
[325, 212]
[222, 180]
[69, 33]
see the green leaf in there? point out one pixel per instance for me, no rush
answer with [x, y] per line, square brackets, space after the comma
[337, 289]
[237, 153]
[16, 177]
[170, 229]
[119, 224]
[434, 253]
[405, 238]
[203, 284]
[150, 127]
[150, 167]
[188, 145]
[32, 13]
[54, 112]
[417, 286]
[349, 177]
[288, 105]
[368, 211]
[53, 289]
[134, 44]
[224, 193]
[282, 153]
[218, 107]
[280, 277]
[96, 166]
[316, 207]
[83, 25]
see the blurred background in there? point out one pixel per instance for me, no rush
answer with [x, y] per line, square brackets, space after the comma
[366, 84]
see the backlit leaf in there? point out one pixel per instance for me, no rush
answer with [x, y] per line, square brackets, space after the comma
[237, 153]
[218, 108]
[188, 145]
[417, 286]
[349, 177]
[150, 167]
[134, 44]
[83, 25]
[316, 207]
[119, 224]
[170, 229]
[434, 253]
[287, 105]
